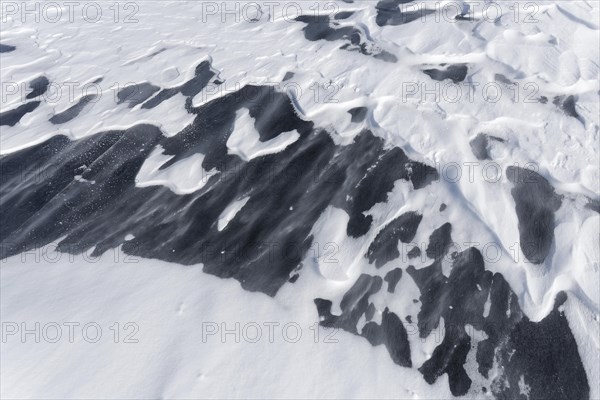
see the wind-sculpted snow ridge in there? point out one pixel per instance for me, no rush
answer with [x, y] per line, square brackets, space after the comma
[91, 200]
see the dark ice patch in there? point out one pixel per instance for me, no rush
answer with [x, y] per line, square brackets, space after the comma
[392, 334]
[440, 241]
[163, 95]
[370, 313]
[443, 207]
[385, 246]
[449, 358]
[38, 87]
[358, 114]
[136, 93]
[391, 167]
[545, 357]
[414, 252]
[431, 283]
[320, 27]
[389, 13]
[288, 76]
[203, 74]
[504, 313]
[421, 174]
[262, 247]
[343, 15]
[502, 79]
[455, 72]
[536, 202]
[12, 117]
[593, 204]
[354, 304]
[392, 278]
[72, 111]
[567, 105]
[6, 48]
[460, 300]
[480, 145]
[521, 348]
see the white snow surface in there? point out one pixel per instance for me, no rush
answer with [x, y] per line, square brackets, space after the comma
[171, 305]
[245, 140]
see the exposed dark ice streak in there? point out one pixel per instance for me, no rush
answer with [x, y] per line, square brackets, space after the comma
[320, 27]
[136, 94]
[202, 77]
[567, 105]
[392, 278]
[391, 167]
[12, 117]
[534, 357]
[543, 356]
[414, 252]
[459, 301]
[72, 111]
[354, 304]
[392, 334]
[440, 241]
[385, 246]
[343, 15]
[358, 114]
[455, 72]
[6, 48]
[536, 202]
[593, 204]
[546, 355]
[38, 87]
[480, 145]
[267, 240]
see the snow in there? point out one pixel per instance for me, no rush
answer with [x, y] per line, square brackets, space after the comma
[558, 55]
[230, 212]
[169, 350]
[245, 140]
[185, 176]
